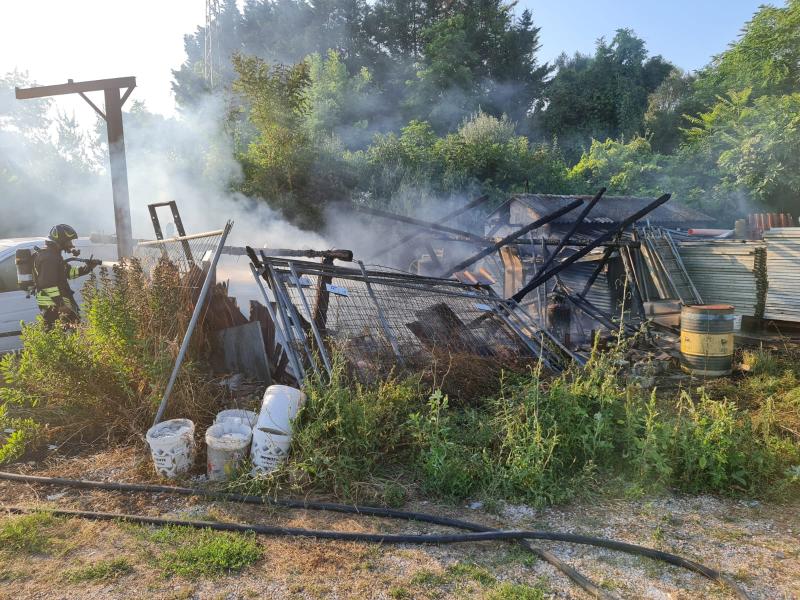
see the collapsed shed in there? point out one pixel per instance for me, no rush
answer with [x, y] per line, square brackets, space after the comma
[627, 272]
[522, 209]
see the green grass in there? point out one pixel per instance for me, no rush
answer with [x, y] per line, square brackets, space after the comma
[190, 552]
[27, 533]
[453, 574]
[474, 572]
[100, 571]
[428, 578]
[517, 591]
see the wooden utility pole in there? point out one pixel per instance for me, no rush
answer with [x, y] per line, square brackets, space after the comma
[116, 141]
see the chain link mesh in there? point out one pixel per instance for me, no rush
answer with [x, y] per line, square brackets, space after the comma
[382, 319]
[189, 255]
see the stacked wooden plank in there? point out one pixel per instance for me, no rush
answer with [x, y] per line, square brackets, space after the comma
[783, 264]
[728, 272]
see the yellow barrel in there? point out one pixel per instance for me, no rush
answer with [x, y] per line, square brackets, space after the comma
[707, 339]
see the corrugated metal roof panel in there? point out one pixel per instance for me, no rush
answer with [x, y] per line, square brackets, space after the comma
[724, 272]
[783, 263]
[525, 208]
[575, 277]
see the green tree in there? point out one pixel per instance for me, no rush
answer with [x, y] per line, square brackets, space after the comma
[756, 146]
[666, 110]
[485, 155]
[339, 104]
[603, 96]
[766, 58]
[278, 159]
[624, 168]
[478, 57]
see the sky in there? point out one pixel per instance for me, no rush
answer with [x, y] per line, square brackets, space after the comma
[56, 40]
[685, 32]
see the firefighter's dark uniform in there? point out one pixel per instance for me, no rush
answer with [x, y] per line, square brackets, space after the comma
[51, 274]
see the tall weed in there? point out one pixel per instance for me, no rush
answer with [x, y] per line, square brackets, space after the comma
[104, 378]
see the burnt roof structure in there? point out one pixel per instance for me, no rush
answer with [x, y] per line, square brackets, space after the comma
[523, 208]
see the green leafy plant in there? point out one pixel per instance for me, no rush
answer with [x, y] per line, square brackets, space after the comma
[102, 570]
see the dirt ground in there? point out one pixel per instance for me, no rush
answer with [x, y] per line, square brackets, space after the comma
[757, 544]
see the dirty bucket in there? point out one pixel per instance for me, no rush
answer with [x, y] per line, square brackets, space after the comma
[269, 451]
[172, 446]
[279, 408]
[226, 445]
[248, 417]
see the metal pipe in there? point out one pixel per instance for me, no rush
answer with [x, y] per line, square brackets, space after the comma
[513, 236]
[539, 279]
[317, 336]
[282, 338]
[181, 238]
[198, 308]
[381, 315]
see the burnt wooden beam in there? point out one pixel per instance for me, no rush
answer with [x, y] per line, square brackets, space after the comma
[511, 237]
[542, 277]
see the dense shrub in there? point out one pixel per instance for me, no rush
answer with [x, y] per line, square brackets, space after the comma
[104, 378]
[537, 440]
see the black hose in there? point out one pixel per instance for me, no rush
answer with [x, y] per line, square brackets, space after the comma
[578, 578]
[383, 538]
[479, 532]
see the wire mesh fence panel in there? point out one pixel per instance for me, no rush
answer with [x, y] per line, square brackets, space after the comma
[189, 255]
[381, 319]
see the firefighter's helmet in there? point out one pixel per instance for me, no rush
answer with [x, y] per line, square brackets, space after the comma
[63, 235]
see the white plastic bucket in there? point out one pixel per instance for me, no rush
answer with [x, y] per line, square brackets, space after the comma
[278, 408]
[227, 443]
[238, 414]
[172, 446]
[269, 451]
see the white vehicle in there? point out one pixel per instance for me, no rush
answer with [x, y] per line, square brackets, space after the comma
[15, 306]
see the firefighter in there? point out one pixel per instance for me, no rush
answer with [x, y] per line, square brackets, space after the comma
[51, 272]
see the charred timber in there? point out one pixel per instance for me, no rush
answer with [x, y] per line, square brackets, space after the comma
[444, 219]
[571, 232]
[513, 236]
[541, 278]
[420, 223]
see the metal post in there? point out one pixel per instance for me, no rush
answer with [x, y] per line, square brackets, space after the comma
[198, 308]
[291, 315]
[119, 172]
[116, 141]
[322, 351]
[282, 336]
[381, 315]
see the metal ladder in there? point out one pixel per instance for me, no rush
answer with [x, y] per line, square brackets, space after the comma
[667, 261]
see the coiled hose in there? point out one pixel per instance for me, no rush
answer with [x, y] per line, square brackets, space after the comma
[478, 532]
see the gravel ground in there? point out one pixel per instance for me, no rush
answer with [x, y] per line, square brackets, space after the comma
[757, 544]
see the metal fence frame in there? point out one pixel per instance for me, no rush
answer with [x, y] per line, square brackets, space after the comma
[380, 302]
